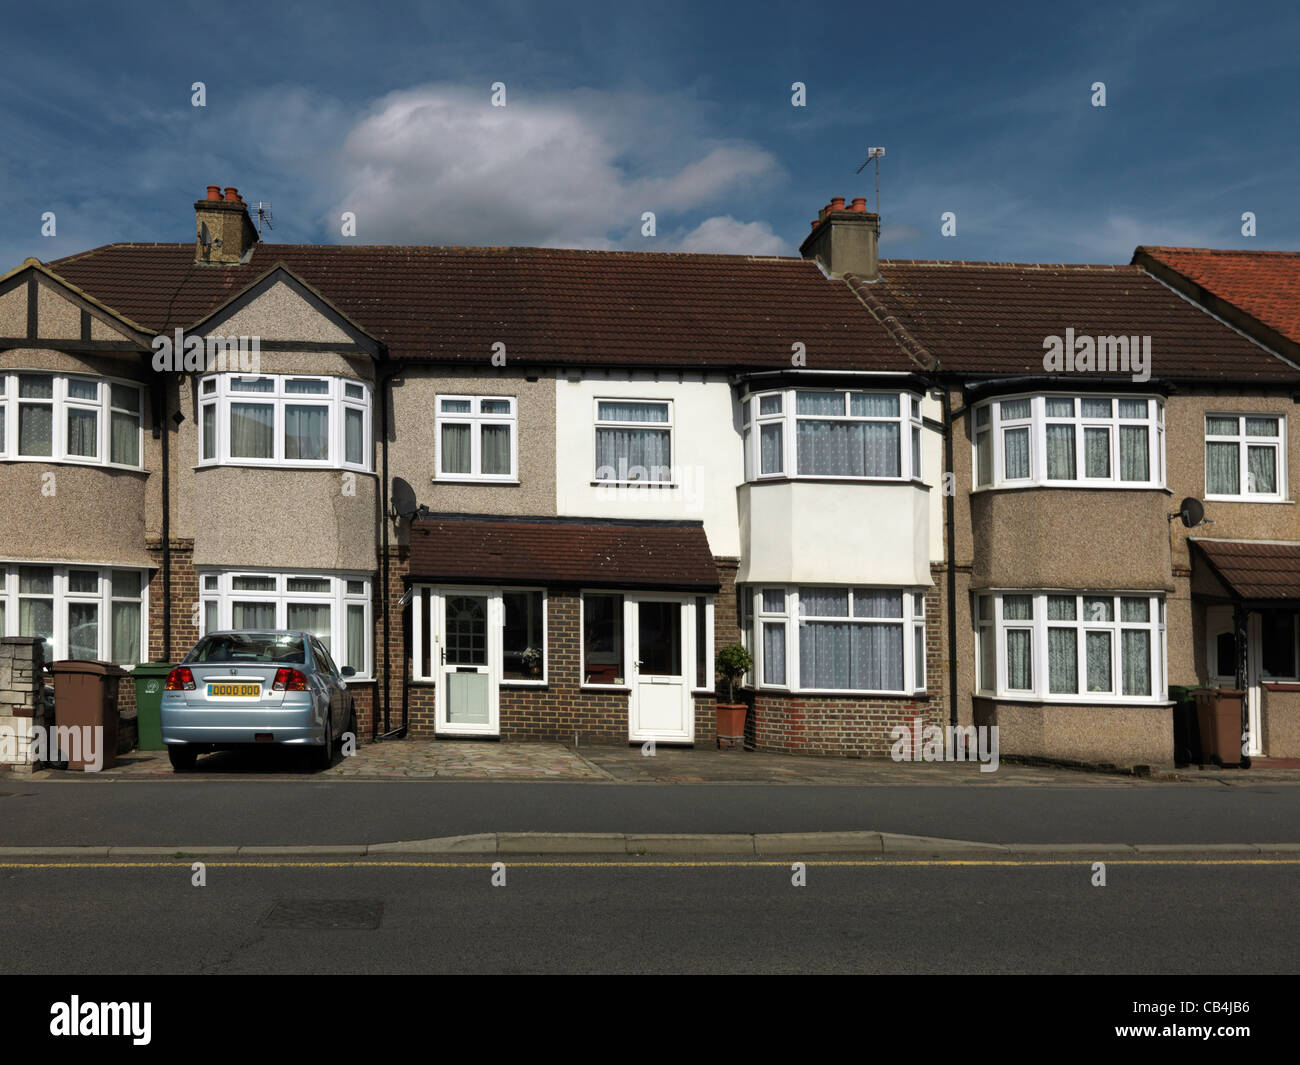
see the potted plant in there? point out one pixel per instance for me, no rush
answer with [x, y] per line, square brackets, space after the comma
[733, 663]
[532, 659]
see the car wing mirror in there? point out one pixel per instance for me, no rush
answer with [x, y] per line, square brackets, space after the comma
[347, 671]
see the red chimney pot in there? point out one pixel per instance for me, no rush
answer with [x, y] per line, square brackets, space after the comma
[214, 192]
[837, 203]
[860, 204]
[232, 194]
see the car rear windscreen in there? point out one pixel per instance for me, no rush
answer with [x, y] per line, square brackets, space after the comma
[251, 647]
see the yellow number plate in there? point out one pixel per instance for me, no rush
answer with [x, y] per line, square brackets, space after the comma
[242, 691]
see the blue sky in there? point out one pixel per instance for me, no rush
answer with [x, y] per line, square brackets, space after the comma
[684, 109]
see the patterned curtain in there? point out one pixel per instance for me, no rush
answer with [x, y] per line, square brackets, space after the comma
[1096, 451]
[773, 652]
[847, 449]
[1019, 659]
[633, 454]
[1222, 469]
[1097, 648]
[770, 443]
[1136, 658]
[1015, 446]
[1261, 468]
[1134, 458]
[1060, 453]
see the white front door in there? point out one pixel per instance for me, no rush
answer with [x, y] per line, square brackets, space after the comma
[1221, 655]
[467, 690]
[1254, 693]
[660, 650]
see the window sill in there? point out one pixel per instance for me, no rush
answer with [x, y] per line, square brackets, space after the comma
[634, 484]
[1075, 700]
[1074, 486]
[297, 467]
[523, 683]
[503, 481]
[912, 482]
[849, 693]
[605, 687]
[1280, 685]
[50, 460]
[1271, 500]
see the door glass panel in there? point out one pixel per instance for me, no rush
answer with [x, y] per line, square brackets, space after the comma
[468, 699]
[659, 638]
[467, 630]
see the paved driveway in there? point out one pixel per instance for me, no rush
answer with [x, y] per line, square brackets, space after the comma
[485, 760]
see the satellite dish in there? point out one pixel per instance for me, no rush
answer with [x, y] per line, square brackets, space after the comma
[404, 505]
[1191, 512]
[205, 236]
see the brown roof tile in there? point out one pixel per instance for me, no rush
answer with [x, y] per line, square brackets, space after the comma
[992, 318]
[1255, 570]
[571, 551]
[546, 306]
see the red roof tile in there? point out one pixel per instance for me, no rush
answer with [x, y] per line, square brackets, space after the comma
[574, 551]
[1255, 570]
[546, 306]
[992, 318]
[1263, 284]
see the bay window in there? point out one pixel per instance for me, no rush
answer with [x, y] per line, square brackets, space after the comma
[335, 608]
[69, 418]
[1064, 440]
[87, 612]
[1071, 647]
[838, 639]
[1245, 457]
[832, 434]
[476, 438]
[284, 420]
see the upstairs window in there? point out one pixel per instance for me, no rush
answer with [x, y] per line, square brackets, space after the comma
[1245, 457]
[634, 441]
[58, 418]
[284, 420]
[838, 434]
[476, 438]
[1062, 440]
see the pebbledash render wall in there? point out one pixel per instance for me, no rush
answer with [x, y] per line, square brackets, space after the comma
[854, 726]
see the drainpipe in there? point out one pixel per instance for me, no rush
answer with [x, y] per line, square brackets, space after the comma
[950, 528]
[160, 422]
[385, 392]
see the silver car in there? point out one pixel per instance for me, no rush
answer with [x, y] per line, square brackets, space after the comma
[251, 687]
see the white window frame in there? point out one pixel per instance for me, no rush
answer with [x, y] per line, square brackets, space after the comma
[911, 443]
[1243, 442]
[598, 423]
[476, 419]
[426, 608]
[997, 426]
[997, 627]
[61, 595]
[216, 391]
[913, 619]
[216, 587]
[60, 403]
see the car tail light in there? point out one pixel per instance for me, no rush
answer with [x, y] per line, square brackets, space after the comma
[180, 679]
[289, 680]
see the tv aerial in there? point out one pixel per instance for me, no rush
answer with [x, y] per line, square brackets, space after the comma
[263, 212]
[877, 154]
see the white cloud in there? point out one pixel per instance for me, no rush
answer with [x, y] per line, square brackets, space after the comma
[725, 235]
[439, 165]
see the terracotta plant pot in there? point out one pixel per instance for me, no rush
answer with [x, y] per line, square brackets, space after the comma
[731, 719]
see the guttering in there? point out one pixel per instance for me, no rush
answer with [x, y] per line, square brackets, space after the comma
[950, 555]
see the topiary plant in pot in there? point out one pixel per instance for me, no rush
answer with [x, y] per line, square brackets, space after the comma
[733, 662]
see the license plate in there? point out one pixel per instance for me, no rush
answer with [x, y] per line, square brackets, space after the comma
[239, 691]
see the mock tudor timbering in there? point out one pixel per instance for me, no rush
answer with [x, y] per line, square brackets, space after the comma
[916, 523]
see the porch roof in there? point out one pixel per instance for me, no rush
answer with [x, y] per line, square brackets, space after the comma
[1254, 570]
[572, 551]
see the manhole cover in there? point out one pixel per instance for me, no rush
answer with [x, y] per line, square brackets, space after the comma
[324, 913]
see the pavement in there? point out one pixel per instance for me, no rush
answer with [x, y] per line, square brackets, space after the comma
[488, 760]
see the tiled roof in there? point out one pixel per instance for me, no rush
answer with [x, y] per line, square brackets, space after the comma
[1255, 570]
[992, 318]
[1263, 284]
[546, 306]
[583, 551]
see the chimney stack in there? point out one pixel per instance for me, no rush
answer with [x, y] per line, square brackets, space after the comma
[845, 240]
[230, 232]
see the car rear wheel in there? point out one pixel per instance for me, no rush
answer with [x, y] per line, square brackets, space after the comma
[182, 758]
[322, 757]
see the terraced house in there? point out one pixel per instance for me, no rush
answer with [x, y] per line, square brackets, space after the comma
[528, 493]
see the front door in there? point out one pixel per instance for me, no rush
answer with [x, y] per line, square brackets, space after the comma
[467, 696]
[1221, 653]
[659, 650]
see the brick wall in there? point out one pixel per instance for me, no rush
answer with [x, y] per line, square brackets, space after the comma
[853, 726]
[183, 606]
[21, 706]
